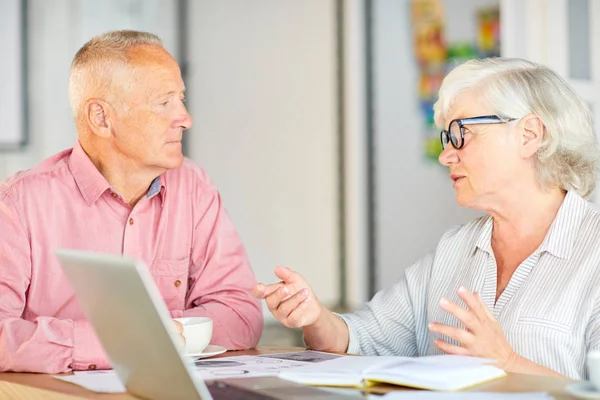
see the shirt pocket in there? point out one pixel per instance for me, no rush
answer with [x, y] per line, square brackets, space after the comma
[171, 277]
[543, 323]
[540, 339]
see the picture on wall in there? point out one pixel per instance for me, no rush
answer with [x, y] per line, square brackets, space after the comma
[436, 55]
[13, 89]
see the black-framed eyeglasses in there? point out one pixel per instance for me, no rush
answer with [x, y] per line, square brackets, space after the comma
[456, 135]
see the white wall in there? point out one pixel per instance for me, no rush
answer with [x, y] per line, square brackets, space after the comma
[415, 198]
[263, 95]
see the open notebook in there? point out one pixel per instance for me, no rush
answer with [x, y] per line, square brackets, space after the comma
[445, 372]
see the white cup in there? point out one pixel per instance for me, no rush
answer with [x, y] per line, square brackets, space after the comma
[593, 365]
[197, 332]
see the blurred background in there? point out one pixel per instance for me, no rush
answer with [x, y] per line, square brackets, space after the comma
[313, 117]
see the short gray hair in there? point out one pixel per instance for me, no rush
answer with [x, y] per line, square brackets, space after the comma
[99, 57]
[513, 88]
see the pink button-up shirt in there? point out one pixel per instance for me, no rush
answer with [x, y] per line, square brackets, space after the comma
[180, 229]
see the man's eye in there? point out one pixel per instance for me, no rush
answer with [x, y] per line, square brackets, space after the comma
[164, 103]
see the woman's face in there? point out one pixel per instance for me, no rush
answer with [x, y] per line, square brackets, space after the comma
[489, 161]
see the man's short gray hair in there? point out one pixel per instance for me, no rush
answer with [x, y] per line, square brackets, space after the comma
[98, 59]
[513, 88]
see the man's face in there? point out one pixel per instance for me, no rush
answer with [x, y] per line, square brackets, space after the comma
[150, 114]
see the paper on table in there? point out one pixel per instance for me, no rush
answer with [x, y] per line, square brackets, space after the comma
[426, 395]
[97, 381]
[229, 367]
[254, 366]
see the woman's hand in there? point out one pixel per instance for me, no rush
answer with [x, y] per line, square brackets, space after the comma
[483, 336]
[291, 301]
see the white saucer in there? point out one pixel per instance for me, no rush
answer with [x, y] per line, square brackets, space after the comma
[209, 351]
[583, 390]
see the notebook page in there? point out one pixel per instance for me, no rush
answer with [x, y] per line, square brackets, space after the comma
[446, 375]
[343, 371]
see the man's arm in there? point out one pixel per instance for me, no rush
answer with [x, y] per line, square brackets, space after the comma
[221, 278]
[45, 344]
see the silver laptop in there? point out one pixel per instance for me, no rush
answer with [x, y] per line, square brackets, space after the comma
[122, 302]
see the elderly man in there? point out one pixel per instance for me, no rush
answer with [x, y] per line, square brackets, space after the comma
[124, 188]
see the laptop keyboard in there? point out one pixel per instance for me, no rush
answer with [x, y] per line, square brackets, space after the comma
[222, 391]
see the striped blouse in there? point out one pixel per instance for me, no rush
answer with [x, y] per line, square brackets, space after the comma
[550, 310]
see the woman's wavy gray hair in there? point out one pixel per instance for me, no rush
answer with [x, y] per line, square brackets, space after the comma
[513, 88]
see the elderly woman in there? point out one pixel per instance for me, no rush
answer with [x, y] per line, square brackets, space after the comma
[520, 285]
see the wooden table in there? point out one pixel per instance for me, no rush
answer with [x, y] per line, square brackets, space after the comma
[29, 385]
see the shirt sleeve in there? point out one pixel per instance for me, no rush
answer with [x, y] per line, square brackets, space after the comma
[45, 344]
[387, 324]
[593, 333]
[221, 279]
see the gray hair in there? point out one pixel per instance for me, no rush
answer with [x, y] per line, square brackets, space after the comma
[98, 60]
[513, 88]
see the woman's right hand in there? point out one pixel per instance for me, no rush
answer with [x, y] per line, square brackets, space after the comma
[291, 300]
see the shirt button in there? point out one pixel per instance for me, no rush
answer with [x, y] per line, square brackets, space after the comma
[130, 221]
[177, 283]
[92, 367]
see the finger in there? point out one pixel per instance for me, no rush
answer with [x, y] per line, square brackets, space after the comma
[465, 316]
[460, 335]
[178, 326]
[486, 309]
[260, 291]
[299, 316]
[471, 301]
[274, 299]
[182, 339]
[286, 307]
[450, 348]
[286, 275]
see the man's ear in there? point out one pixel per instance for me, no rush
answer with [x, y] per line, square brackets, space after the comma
[98, 117]
[532, 134]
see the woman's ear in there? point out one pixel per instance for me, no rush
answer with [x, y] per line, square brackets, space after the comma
[532, 134]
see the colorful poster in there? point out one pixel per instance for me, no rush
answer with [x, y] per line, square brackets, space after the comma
[436, 57]
[431, 53]
[488, 39]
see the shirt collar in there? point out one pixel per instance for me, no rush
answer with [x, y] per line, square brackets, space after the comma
[484, 239]
[560, 239]
[154, 188]
[91, 182]
[157, 187]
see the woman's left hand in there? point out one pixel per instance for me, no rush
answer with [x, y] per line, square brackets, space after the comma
[483, 336]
